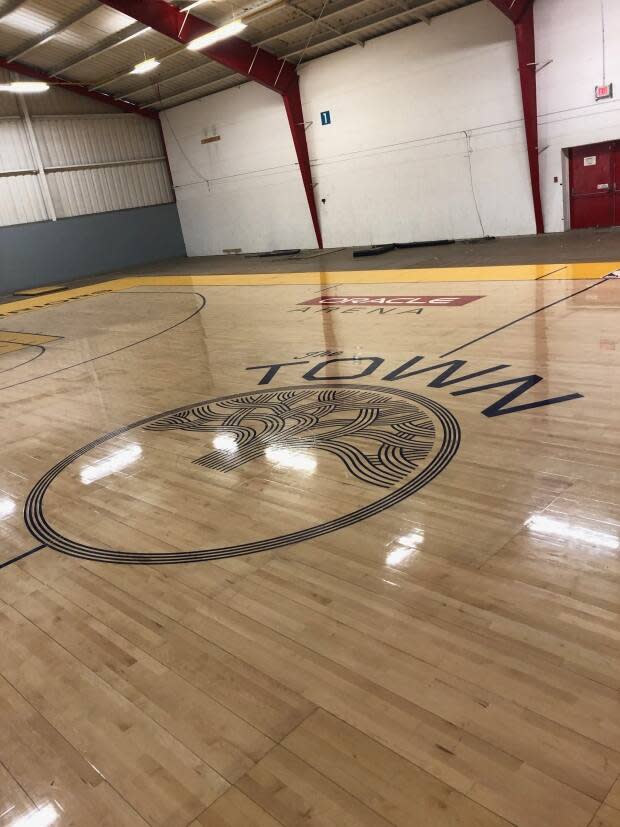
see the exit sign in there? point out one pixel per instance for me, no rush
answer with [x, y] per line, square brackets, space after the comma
[605, 91]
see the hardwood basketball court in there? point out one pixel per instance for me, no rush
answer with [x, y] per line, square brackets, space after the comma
[325, 548]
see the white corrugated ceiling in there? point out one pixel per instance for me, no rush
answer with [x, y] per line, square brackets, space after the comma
[90, 43]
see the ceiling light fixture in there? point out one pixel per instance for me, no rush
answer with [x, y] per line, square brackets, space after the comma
[24, 87]
[209, 39]
[194, 4]
[145, 66]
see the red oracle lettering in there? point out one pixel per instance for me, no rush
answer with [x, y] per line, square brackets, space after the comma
[325, 300]
[378, 301]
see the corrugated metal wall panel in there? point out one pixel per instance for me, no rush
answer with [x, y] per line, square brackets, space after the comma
[14, 146]
[20, 200]
[96, 140]
[77, 192]
[70, 131]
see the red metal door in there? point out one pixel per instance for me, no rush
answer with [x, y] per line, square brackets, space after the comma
[615, 165]
[592, 186]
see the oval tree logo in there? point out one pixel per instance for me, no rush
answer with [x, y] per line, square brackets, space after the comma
[241, 473]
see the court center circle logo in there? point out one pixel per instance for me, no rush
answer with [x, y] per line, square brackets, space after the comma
[377, 445]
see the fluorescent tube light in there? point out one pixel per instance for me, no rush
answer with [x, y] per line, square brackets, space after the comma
[145, 66]
[24, 87]
[206, 40]
[194, 4]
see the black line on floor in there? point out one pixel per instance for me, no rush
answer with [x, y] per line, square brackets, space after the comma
[29, 332]
[41, 351]
[520, 319]
[314, 255]
[20, 556]
[125, 347]
[326, 287]
[13, 342]
[544, 276]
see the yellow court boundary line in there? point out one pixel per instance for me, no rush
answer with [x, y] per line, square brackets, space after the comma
[439, 275]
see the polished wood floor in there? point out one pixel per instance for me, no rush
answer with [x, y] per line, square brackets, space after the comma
[240, 587]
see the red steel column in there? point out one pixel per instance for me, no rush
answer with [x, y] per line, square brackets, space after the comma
[526, 50]
[234, 52]
[295, 115]
[240, 56]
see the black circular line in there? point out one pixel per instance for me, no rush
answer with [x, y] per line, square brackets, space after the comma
[40, 349]
[125, 347]
[42, 531]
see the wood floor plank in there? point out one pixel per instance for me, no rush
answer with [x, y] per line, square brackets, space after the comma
[14, 803]
[129, 602]
[382, 780]
[570, 632]
[163, 780]
[443, 670]
[442, 748]
[294, 793]
[613, 798]
[53, 772]
[606, 817]
[15, 582]
[570, 548]
[223, 740]
[444, 655]
[235, 809]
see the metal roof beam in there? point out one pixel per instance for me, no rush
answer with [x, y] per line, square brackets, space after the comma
[161, 80]
[374, 20]
[160, 58]
[259, 11]
[286, 32]
[207, 84]
[170, 53]
[201, 87]
[325, 24]
[514, 9]
[50, 33]
[10, 7]
[236, 54]
[242, 58]
[204, 86]
[77, 88]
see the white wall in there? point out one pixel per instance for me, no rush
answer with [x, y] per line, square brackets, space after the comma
[570, 33]
[245, 190]
[394, 165]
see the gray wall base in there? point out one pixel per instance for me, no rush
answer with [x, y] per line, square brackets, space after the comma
[33, 255]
